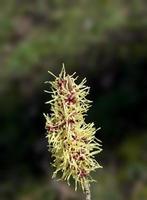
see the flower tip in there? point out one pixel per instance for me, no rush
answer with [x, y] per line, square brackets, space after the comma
[52, 74]
[44, 115]
[63, 66]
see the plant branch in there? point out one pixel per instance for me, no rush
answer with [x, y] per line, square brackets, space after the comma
[87, 191]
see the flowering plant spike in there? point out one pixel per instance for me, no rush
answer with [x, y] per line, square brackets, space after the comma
[72, 141]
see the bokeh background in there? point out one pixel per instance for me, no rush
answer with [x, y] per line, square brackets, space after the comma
[103, 40]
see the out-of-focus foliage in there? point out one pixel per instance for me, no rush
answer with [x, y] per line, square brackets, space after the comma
[106, 41]
[39, 31]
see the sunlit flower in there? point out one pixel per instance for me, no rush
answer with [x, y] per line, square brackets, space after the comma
[72, 141]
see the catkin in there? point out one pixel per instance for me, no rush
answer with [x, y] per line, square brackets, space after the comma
[71, 140]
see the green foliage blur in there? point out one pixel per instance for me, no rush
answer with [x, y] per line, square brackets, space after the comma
[102, 40]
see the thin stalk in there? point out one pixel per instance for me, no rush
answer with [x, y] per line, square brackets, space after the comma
[87, 191]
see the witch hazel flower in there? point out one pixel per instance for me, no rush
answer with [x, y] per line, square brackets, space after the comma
[71, 140]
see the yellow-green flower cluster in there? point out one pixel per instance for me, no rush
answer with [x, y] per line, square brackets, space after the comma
[72, 141]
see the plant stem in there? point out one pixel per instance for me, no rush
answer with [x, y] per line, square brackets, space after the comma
[87, 191]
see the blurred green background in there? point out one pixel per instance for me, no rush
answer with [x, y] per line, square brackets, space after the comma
[103, 40]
